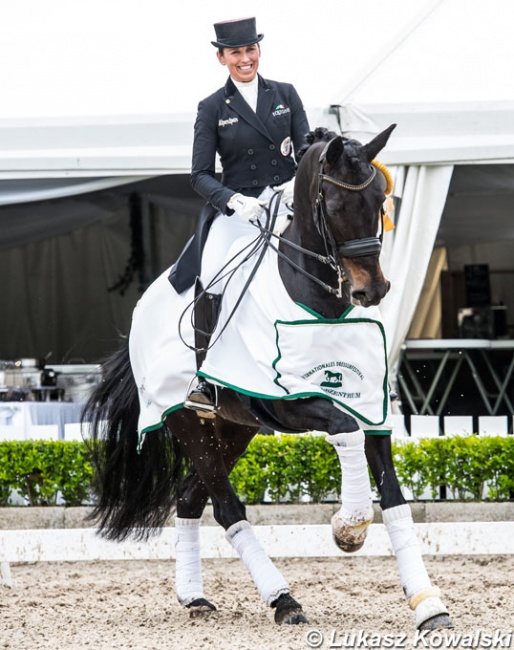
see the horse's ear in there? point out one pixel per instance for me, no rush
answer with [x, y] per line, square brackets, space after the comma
[378, 143]
[334, 150]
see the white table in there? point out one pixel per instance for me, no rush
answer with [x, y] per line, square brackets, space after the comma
[23, 415]
[449, 357]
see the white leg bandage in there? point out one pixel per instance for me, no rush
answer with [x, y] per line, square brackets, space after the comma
[357, 504]
[188, 563]
[268, 579]
[421, 596]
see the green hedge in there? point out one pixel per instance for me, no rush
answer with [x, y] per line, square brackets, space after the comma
[279, 468]
[39, 471]
[472, 468]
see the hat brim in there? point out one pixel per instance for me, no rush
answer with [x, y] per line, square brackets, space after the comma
[234, 44]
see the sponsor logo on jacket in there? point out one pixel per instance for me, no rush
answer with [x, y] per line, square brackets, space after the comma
[281, 110]
[228, 122]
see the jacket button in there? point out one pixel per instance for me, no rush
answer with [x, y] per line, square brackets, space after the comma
[276, 178]
[274, 162]
[250, 152]
[253, 167]
[255, 183]
[272, 147]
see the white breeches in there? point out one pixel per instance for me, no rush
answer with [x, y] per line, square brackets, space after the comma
[223, 233]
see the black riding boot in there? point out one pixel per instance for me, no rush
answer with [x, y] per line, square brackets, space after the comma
[203, 397]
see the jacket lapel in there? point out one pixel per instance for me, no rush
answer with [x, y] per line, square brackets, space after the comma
[264, 101]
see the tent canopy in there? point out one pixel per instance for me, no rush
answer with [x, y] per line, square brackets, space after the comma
[439, 69]
[99, 95]
[111, 88]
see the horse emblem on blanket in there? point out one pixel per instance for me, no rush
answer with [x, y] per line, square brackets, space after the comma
[332, 379]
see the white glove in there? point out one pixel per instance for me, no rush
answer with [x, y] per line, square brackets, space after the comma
[247, 208]
[288, 193]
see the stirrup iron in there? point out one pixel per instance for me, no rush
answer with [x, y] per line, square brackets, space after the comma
[203, 409]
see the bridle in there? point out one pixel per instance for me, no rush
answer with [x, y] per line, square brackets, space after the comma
[361, 247]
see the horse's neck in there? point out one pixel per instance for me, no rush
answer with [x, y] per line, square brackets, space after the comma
[300, 287]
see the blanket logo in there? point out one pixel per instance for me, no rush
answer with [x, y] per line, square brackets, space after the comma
[329, 377]
[332, 379]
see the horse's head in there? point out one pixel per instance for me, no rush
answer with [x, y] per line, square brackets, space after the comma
[348, 193]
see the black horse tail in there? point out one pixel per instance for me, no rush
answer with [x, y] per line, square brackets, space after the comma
[134, 489]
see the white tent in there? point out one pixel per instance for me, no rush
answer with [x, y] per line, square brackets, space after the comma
[103, 94]
[444, 82]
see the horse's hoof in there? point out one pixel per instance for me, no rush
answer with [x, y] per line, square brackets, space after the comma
[200, 608]
[349, 538]
[288, 611]
[439, 622]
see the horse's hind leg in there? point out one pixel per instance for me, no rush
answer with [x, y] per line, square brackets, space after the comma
[192, 496]
[424, 599]
[191, 499]
[214, 453]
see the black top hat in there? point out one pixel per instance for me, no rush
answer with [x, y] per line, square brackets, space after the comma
[236, 33]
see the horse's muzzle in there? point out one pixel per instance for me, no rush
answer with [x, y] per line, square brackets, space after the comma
[370, 295]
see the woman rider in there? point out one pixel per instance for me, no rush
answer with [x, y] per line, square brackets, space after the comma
[255, 125]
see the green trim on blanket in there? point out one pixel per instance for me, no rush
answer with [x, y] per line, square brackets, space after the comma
[289, 397]
[322, 318]
[378, 432]
[156, 427]
[295, 396]
[335, 321]
[302, 395]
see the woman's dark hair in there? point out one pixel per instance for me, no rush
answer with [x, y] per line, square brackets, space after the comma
[222, 49]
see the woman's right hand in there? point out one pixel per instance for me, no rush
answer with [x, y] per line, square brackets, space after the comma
[247, 208]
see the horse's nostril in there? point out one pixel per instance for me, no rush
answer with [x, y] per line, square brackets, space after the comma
[359, 296]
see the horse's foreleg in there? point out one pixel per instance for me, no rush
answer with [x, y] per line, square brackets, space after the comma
[424, 599]
[350, 523]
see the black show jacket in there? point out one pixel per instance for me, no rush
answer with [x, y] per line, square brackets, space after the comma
[256, 149]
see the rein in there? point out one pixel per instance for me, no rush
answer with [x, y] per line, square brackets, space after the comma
[261, 242]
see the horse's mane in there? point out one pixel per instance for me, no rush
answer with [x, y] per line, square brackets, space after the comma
[320, 134]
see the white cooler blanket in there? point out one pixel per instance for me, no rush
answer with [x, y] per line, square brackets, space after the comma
[271, 348]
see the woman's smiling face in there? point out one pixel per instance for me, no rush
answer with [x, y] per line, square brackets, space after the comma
[242, 62]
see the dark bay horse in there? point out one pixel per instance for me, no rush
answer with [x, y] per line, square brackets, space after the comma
[327, 263]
